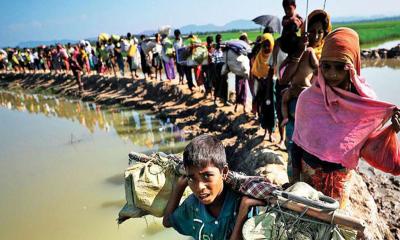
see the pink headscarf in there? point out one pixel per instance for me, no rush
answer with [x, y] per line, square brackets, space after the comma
[331, 123]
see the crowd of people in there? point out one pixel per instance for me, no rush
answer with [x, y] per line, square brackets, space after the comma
[306, 83]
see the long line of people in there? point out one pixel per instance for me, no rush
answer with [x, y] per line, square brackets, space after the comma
[207, 63]
[267, 66]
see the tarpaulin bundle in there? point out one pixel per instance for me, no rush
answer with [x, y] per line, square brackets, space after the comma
[239, 47]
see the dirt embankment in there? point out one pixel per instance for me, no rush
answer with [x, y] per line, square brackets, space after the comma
[381, 53]
[246, 148]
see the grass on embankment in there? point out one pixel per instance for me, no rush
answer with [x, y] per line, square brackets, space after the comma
[369, 32]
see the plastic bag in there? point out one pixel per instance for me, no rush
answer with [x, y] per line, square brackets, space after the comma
[235, 63]
[200, 55]
[165, 30]
[136, 61]
[239, 47]
[382, 151]
[132, 50]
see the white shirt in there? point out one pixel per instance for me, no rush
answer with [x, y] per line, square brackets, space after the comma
[157, 48]
[110, 48]
[178, 43]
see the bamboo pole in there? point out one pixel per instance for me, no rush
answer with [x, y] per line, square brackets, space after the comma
[325, 216]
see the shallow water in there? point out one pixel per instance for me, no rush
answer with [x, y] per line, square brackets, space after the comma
[61, 163]
[61, 168]
[385, 81]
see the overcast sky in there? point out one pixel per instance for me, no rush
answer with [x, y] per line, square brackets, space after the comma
[25, 20]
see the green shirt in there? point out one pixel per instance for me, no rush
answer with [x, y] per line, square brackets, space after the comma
[192, 218]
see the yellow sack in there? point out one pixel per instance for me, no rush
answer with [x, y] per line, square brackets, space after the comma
[132, 50]
[115, 37]
[103, 37]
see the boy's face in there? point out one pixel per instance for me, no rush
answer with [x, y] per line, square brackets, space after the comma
[316, 34]
[206, 183]
[289, 9]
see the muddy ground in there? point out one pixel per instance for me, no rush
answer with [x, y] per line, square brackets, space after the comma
[375, 197]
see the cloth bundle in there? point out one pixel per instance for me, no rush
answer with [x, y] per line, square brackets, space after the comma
[236, 60]
[148, 184]
[236, 63]
[239, 47]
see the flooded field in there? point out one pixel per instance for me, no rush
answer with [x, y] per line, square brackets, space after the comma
[61, 168]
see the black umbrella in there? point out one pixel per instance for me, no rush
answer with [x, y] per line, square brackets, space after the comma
[270, 21]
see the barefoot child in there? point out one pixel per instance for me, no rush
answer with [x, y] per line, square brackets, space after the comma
[213, 211]
[301, 65]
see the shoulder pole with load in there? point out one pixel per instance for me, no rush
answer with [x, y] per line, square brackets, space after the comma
[150, 179]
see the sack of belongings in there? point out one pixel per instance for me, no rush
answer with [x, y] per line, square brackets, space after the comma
[148, 46]
[235, 63]
[236, 60]
[195, 56]
[239, 47]
[182, 54]
[148, 184]
[165, 30]
[278, 223]
[103, 37]
[150, 179]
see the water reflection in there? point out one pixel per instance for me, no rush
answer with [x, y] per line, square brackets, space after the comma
[138, 128]
[380, 63]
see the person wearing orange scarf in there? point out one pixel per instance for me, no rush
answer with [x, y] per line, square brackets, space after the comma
[338, 117]
[262, 72]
